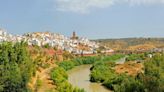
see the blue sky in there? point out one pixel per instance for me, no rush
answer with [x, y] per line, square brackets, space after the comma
[89, 18]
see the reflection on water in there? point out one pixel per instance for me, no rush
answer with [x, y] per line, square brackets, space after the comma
[79, 77]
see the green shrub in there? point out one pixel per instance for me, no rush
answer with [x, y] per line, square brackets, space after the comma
[100, 72]
[60, 77]
[67, 65]
[39, 83]
[134, 57]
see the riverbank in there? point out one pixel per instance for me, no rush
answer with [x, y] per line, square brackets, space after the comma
[60, 77]
[80, 76]
[145, 76]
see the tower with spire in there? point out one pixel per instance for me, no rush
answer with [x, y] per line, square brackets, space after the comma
[74, 37]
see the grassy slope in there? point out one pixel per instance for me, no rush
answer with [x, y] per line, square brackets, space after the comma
[125, 43]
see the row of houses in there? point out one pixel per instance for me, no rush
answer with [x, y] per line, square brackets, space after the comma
[53, 40]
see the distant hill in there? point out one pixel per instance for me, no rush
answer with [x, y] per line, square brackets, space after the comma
[128, 43]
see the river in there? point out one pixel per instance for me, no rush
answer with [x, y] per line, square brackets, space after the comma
[79, 77]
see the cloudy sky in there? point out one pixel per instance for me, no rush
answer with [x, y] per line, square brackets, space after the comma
[89, 18]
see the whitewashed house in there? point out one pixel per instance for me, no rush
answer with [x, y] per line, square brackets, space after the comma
[35, 42]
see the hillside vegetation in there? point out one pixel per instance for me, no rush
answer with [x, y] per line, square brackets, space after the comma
[16, 67]
[26, 68]
[132, 43]
[131, 77]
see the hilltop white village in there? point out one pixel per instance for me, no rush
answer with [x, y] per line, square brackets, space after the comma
[72, 44]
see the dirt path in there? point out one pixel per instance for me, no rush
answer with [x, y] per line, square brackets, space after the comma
[121, 61]
[44, 76]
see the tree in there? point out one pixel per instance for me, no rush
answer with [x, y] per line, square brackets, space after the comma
[15, 67]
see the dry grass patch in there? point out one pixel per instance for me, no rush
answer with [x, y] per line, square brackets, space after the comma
[130, 68]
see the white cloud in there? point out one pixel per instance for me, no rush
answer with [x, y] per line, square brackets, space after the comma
[82, 6]
[85, 6]
[144, 2]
